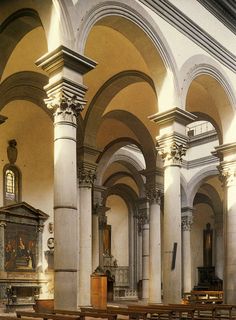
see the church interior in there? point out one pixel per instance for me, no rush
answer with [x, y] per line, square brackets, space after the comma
[118, 151]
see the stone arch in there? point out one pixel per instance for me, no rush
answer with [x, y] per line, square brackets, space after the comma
[106, 158]
[22, 22]
[26, 85]
[203, 72]
[149, 32]
[133, 166]
[104, 95]
[144, 139]
[201, 64]
[197, 181]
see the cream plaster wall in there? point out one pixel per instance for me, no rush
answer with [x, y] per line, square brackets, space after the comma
[31, 47]
[32, 128]
[196, 12]
[117, 216]
[110, 130]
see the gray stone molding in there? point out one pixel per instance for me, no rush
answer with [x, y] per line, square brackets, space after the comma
[200, 162]
[173, 115]
[61, 57]
[189, 28]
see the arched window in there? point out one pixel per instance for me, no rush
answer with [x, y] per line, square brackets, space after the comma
[11, 184]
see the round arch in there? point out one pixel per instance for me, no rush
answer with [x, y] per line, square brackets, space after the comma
[26, 85]
[197, 180]
[143, 32]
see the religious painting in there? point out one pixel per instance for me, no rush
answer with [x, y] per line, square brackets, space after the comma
[20, 247]
[107, 239]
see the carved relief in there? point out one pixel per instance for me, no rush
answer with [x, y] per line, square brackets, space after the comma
[12, 151]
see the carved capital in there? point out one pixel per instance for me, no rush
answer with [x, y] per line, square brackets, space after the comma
[186, 223]
[142, 219]
[153, 194]
[86, 177]
[64, 104]
[172, 153]
[227, 173]
[3, 224]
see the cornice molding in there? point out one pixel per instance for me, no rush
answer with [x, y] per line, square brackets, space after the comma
[200, 162]
[220, 12]
[195, 33]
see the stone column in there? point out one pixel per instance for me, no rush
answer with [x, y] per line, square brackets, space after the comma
[154, 196]
[86, 179]
[65, 97]
[187, 221]
[228, 175]
[171, 146]
[2, 245]
[143, 226]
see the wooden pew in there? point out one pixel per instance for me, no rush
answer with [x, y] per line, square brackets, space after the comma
[88, 312]
[45, 316]
[110, 311]
[165, 311]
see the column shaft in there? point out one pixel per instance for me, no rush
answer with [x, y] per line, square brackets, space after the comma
[65, 214]
[172, 236]
[145, 262]
[155, 254]
[187, 254]
[85, 245]
[230, 255]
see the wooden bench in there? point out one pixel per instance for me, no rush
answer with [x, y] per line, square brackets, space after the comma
[88, 312]
[45, 316]
[132, 314]
[165, 311]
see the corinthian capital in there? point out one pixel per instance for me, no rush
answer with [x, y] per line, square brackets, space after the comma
[86, 175]
[186, 223]
[153, 194]
[63, 103]
[227, 173]
[172, 153]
